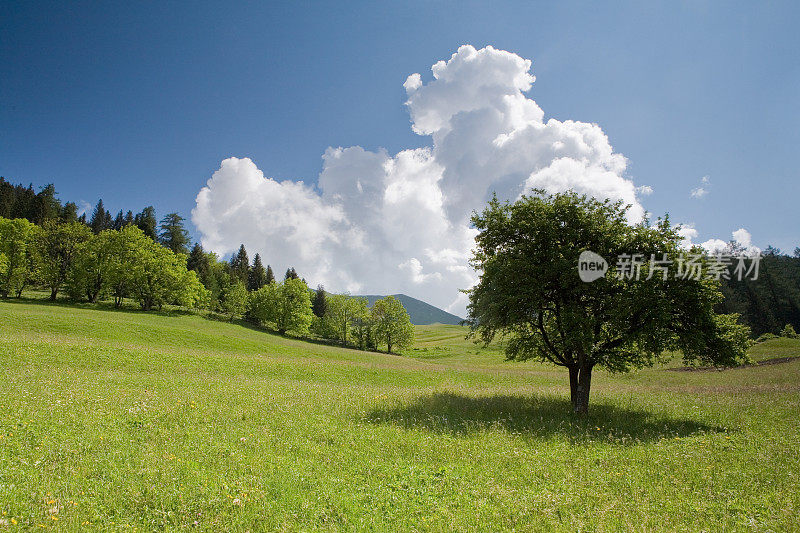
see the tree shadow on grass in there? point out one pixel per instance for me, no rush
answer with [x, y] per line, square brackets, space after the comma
[313, 340]
[129, 306]
[536, 417]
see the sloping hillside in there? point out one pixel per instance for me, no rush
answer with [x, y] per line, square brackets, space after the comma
[421, 313]
[127, 420]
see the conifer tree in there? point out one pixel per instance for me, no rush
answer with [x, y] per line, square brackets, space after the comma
[270, 275]
[119, 221]
[198, 260]
[240, 265]
[291, 273]
[173, 235]
[69, 213]
[146, 221]
[319, 304]
[99, 220]
[46, 206]
[258, 275]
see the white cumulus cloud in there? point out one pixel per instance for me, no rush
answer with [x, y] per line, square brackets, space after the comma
[741, 242]
[688, 233]
[383, 223]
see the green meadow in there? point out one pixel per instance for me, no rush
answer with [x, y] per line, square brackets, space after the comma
[124, 420]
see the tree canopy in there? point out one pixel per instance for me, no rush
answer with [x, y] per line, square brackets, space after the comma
[57, 246]
[17, 247]
[284, 306]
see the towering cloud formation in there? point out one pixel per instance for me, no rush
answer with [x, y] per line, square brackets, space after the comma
[381, 223]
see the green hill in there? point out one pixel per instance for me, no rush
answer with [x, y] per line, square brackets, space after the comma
[125, 420]
[421, 313]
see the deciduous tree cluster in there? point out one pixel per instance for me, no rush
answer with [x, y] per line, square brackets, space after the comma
[117, 264]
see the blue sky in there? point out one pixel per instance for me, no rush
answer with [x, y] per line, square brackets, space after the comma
[138, 103]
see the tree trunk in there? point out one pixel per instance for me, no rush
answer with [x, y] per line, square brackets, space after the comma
[53, 294]
[582, 391]
[573, 385]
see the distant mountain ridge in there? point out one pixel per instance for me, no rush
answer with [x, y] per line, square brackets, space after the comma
[421, 313]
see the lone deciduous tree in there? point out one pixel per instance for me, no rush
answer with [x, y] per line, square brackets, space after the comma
[57, 245]
[531, 293]
[234, 300]
[285, 306]
[392, 325]
[17, 248]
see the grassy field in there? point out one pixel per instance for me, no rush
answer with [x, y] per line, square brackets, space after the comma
[121, 420]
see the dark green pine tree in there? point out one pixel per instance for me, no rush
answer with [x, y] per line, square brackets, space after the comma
[146, 221]
[46, 206]
[198, 261]
[258, 275]
[291, 273]
[100, 218]
[69, 213]
[320, 303]
[129, 220]
[270, 275]
[173, 235]
[240, 265]
[119, 221]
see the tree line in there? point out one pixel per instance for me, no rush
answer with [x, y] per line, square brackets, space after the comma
[133, 256]
[17, 201]
[241, 289]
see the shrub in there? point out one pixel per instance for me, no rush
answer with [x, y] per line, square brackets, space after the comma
[766, 337]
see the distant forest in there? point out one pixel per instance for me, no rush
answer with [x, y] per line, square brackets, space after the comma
[770, 302]
[766, 304]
